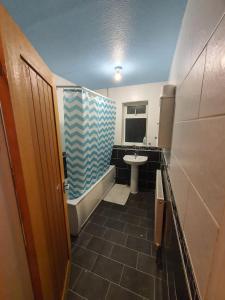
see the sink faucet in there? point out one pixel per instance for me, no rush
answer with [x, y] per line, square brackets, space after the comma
[135, 152]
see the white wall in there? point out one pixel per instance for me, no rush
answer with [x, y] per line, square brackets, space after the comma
[63, 82]
[150, 92]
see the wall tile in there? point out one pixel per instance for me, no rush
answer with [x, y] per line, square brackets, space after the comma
[114, 153]
[199, 22]
[199, 146]
[216, 285]
[198, 139]
[213, 93]
[180, 184]
[201, 233]
[188, 94]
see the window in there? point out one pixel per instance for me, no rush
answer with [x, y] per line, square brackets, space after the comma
[135, 123]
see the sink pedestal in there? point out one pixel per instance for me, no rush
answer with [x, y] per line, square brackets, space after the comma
[134, 180]
[134, 161]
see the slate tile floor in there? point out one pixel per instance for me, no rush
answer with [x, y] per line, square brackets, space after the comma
[113, 258]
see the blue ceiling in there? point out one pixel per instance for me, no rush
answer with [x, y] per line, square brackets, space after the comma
[83, 40]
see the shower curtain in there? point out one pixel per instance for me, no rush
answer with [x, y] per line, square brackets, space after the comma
[89, 128]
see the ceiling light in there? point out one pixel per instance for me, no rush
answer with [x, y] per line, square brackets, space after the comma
[118, 73]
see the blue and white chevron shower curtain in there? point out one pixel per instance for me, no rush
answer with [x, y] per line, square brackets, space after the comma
[89, 128]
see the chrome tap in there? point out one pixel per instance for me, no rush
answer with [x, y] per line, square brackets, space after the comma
[135, 152]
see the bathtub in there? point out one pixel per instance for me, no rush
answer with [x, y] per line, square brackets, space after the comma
[80, 209]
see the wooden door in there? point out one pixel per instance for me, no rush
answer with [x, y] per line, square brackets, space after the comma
[28, 100]
[15, 283]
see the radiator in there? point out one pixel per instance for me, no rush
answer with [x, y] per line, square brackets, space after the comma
[159, 209]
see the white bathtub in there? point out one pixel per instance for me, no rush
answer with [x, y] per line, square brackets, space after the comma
[80, 209]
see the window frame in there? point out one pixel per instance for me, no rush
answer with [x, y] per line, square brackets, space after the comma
[125, 116]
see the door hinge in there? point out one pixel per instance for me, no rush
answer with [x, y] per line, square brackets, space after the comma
[66, 186]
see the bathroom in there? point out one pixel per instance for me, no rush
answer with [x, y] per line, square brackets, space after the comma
[112, 150]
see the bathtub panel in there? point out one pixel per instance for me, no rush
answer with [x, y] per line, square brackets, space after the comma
[81, 208]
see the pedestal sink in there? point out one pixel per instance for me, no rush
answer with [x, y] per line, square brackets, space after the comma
[135, 161]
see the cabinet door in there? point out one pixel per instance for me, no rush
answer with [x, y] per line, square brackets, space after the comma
[28, 103]
[166, 122]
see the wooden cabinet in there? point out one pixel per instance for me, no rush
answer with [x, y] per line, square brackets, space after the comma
[29, 111]
[167, 104]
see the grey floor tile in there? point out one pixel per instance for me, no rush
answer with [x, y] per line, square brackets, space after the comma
[73, 239]
[136, 231]
[124, 255]
[138, 244]
[150, 235]
[84, 258]
[111, 227]
[132, 203]
[137, 211]
[75, 272]
[91, 286]
[161, 290]
[150, 213]
[146, 204]
[113, 214]
[100, 246]
[83, 239]
[99, 210]
[94, 229]
[108, 269]
[119, 208]
[148, 264]
[130, 219]
[73, 296]
[116, 292]
[154, 250]
[115, 224]
[147, 223]
[106, 204]
[138, 282]
[115, 236]
[98, 219]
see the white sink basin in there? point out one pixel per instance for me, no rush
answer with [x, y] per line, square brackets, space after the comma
[135, 160]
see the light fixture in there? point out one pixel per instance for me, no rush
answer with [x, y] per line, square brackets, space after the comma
[118, 73]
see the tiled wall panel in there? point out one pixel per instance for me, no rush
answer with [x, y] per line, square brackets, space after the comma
[199, 146]
[213, 94]
[180, 187]
[200, 231]
[198, 167]
[215, 288]
[188, 94]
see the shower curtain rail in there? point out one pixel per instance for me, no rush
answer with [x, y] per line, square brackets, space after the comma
[79, 87]
[68, 86]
